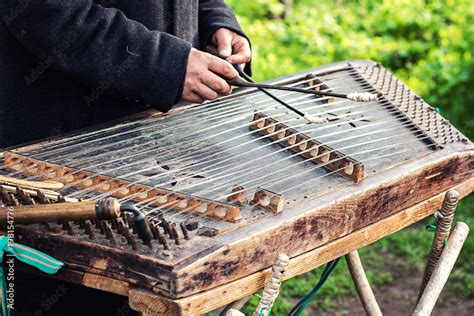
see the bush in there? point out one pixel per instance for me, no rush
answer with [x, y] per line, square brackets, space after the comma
[427, 44]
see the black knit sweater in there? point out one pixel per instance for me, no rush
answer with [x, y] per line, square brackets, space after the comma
[68, 64]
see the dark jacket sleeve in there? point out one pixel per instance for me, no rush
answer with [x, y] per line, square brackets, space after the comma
[101, 47]
[215, 14]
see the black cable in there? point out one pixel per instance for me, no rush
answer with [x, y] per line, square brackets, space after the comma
[143, 230]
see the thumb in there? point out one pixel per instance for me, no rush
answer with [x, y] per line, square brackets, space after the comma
[224, 43]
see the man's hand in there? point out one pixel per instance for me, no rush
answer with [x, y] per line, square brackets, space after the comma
[204, 77]
[232, 47]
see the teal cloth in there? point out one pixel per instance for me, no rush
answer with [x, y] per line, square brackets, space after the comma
[25, 254]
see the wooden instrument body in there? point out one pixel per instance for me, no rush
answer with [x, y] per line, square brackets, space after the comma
[315, 214]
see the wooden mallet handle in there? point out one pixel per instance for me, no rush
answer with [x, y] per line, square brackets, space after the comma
[68, 211]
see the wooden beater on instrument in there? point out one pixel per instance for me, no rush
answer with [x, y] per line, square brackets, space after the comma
[70, 209]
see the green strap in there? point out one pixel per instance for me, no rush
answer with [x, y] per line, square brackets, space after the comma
[30, 256]
[432, 228]
[265, 308]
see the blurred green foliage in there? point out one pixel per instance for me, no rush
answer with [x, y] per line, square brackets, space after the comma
[428, 45]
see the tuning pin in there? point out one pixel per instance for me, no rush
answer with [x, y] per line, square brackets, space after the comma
[167, 228]
[42, 198]
[109, 233]
[131, 240]
[154, 230]
[100, 225]
[25, 197]
[185, 231]
[89, 230]
[68, 227]
[120, 225]
[130, 221]
[97, 224]
[174, 233]
[162, 240]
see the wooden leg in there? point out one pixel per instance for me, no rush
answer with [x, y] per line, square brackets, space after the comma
[442, 270]
[445, 219]
[362, 284]
[237, 305]
[272, 286]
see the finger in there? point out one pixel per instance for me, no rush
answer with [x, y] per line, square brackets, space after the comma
[205, 92]
[192, 97]
[216, 83]
[241, 52]
[221, 67]
[224, 43]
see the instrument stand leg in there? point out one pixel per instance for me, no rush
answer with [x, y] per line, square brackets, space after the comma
[272, 286]
[445, 219]
[442, 270]
[362, 284]
[237, 305]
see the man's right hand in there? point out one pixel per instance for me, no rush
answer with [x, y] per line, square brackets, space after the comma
[204, 77]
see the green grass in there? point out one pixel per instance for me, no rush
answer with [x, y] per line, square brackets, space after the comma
[427, 44]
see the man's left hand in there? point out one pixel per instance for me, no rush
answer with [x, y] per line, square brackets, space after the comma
[232, 47]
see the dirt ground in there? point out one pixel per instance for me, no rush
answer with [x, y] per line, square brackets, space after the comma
[399, 297]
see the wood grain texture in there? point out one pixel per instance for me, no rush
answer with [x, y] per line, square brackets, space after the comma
[315, 214]
[49, 185]
[362, 285]
[53, 212]
[105, 284]
[222, 295]
[120, 188]
[322, 224]
[442, 271]
[149, 302]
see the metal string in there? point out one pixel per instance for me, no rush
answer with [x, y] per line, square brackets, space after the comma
[201, 150]
[153, 121]
[285, 178]
[217, 144]
[65, 157]
[324, 127]
[279, 170]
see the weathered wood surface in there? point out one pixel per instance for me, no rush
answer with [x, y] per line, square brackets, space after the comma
[148, 304]
[121, 188]
[377, 198]
[68, 211]
[83, 256]
[332, 210]
[50, 185]
[147, 301]
[240, 256]
[442, 271]
[214, 298]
